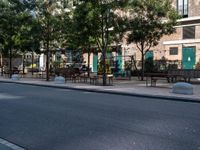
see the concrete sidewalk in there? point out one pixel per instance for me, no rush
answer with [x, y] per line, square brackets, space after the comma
[132, 87]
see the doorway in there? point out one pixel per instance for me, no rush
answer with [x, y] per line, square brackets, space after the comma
[188, 57]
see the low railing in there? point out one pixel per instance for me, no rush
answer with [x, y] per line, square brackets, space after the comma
[186, 74]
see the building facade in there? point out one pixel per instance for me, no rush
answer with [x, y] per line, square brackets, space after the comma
[182, 47]
[184, 44]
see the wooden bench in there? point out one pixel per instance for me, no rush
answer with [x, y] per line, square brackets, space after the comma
[68, 74]
[154, 77]
[75, 77]
[95, 79]
[186, 74]
[83, 78]
[110, 79]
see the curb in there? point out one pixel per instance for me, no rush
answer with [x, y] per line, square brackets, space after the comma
[7, 144]
[169, 98]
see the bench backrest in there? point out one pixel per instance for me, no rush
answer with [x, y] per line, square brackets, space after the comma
[193, 73]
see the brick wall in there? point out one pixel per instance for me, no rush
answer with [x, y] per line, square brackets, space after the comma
[194, 8]
[163, 50]
[197, 32]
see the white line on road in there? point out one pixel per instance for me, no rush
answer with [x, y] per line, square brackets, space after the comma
[10, 145]
[8, 96]
[64, 90]
[87, 92]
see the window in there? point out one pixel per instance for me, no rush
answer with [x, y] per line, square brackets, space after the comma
[173, 51]
[182, 7]
[189, 32]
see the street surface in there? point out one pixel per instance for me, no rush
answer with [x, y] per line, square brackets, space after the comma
[41, 118]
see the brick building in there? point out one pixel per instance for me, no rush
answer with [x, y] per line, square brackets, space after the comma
[182, 47]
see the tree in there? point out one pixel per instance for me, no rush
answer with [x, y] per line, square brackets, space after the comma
[98, 25]
[149, 20]
[83, 28]
[29, 38]
[13, 16]
[51, 16]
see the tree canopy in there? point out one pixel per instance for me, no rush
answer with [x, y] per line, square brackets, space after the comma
[95, 23]
[148, 22]
[32, 25]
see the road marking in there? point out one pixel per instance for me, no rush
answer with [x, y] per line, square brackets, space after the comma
[9, 96]
[64, 90]
[87, 92]
[10, 145]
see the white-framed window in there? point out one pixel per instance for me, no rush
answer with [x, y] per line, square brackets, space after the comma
[189, 32]
[182, 7]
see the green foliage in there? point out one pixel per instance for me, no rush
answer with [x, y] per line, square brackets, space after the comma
[198, 65]
[149, 21]
[96, 23]
[17, 28]
[127, 65]
[95, 26]
[100, 68]
[83, 26]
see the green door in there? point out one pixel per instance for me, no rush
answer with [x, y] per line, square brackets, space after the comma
[188, 57]
[149, 55]
[119, 60]
[148, 64]
[95, 62]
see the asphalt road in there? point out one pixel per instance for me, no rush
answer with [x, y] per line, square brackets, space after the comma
[40, 118]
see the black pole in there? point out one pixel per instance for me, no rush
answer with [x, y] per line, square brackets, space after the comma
[23, 66]
[104, 66]
[2, 64]
[10, 59]
[47, 50]
[88, 69]
[32, 62]
[103, 50]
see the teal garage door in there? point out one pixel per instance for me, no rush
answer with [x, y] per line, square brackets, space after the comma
[188, 57]
[119, 59]
[95, 62]
[149, 55]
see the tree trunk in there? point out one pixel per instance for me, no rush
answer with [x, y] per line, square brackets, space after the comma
[10, 59]
[142, 73]
[88, 70]
[104, 66]
[47, 51]
[47, 65]
[32, 62]
[23, 66]
[2, 64]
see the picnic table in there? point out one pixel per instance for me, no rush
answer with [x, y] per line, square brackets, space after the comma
[153, 77]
